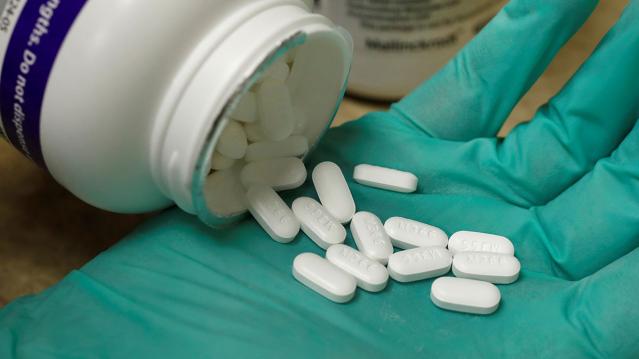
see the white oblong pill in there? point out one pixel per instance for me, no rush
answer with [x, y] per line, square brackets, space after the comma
[466, 241]
[465, 295]
[290, 147]
[220, 162]
[324, 277]
[301, 121]
[278, 71]
[232, 142]
[246, 109]
[419, 263]
[385, 178]
[370, 237]
[333, 191]
[278, 173]
[490, 267]
[406, 233]
[254, 132]
[223, 192]
[371, 275]
[272, 213]
[275, 109]
[317, 223]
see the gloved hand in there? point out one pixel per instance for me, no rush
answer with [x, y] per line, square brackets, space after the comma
[564, 188]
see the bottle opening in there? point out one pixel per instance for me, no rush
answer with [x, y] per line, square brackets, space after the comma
[271, 123]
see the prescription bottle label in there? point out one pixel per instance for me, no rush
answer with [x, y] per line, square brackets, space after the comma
[31, 34]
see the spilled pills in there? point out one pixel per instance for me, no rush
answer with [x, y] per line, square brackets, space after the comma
[260, 152]
[419, 263]
[333, 191]
[407, 233]
[317, 223]
[324, 277]
[370, 237]
[371, 275]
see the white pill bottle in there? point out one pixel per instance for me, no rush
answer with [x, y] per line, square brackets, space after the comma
[400, 43]
[123, 101]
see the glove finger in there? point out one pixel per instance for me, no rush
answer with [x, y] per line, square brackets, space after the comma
[604, 307]
[474, 94]
[595, 221]
[585, 122]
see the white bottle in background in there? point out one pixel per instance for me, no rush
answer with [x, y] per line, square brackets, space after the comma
[401, 43]
[123, 101]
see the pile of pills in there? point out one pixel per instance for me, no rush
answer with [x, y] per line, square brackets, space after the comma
[260, 152]
[478, 260]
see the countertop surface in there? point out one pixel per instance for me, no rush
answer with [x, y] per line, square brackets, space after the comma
[45, 232]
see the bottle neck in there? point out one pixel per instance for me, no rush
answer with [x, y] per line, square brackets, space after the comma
[193, 115]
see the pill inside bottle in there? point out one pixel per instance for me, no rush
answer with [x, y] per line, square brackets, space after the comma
[266, 130]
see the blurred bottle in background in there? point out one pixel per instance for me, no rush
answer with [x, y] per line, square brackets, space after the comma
[400, 43]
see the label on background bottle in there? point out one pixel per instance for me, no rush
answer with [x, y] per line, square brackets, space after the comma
[31, 34]
[399, 43]
[406, 25]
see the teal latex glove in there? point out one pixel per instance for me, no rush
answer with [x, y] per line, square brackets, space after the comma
[564, 188]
